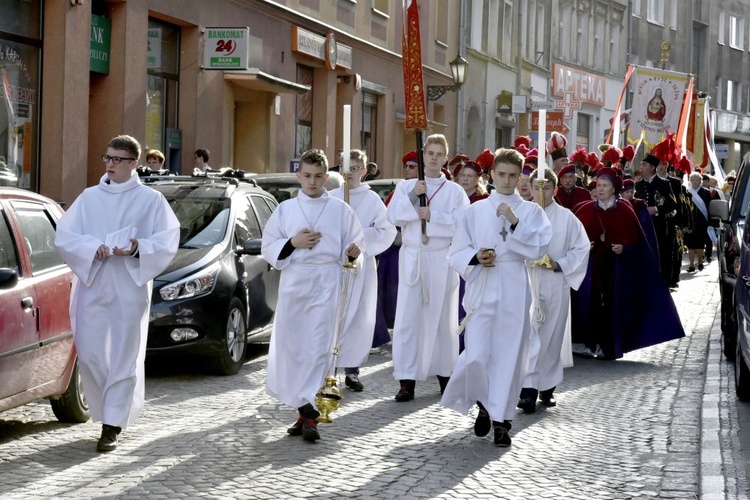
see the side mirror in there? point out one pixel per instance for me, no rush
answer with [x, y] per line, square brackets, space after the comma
[251, 247]
[718, 209]
[8, 278]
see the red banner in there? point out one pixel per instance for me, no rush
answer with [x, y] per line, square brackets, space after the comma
[411, 49]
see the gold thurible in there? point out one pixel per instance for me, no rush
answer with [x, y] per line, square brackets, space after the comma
[545, 260]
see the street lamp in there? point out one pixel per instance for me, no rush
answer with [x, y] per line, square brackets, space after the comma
[458, 70]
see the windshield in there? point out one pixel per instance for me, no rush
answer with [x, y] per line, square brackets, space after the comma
[203, 221]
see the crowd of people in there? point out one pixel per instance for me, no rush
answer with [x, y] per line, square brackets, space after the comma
[478, 265]
[490, 272]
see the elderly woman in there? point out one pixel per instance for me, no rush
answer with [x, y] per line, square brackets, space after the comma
[623, 303]
[695, 236]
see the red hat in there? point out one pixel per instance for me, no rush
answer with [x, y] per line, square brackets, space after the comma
[486, 159]
[611, 175]
[592, 185]
[476, 167]
[523, 149]
[667, 150]
[411, 156]
[556, 146]
[567, 169]
[459, 159]
[628, 184]
[447, 173]
[628, 153]
[685, 165]
[532, 158]
[579, 156]
[592, 160]
[522, 140]
[612, 155]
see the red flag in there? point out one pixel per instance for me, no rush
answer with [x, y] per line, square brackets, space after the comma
[411, 51]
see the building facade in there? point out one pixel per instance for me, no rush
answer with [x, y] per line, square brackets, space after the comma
[80, 72]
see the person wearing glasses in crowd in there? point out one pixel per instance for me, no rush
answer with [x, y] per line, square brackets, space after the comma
[359, 325]
[116, 237]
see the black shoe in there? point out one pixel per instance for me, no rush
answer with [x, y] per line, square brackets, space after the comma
[502, 437]
[482, 424]
[527, 400]
[353, 383]
[108, 440]
[443, 381]
[296, 429]
[700, 267]
[547, 398]
[708, 260]
[310, 430]
[690, 269]
[406, 393]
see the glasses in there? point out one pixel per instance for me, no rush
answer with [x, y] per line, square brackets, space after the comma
[115, 159]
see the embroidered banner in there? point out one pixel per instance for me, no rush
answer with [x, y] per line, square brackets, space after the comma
[411, 51]
[657, 104]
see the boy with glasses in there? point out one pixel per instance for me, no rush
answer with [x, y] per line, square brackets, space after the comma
[116, 238]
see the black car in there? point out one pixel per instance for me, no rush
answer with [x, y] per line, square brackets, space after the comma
[282, 186]
[732, 215]
[218, 292]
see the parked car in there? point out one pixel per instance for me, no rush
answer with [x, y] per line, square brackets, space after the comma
[732, 215]
[218, 293]
[37, 354]
[282, 186]
[383, 187]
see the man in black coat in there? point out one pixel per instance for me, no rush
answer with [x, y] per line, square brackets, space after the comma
[662, 205]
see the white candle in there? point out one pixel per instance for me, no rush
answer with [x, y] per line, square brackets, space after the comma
[541, 141]
[347, 137]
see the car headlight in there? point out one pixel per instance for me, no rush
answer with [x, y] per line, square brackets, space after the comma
[200, 283]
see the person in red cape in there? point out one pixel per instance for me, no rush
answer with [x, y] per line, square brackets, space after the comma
[568, 194]
[623, 303]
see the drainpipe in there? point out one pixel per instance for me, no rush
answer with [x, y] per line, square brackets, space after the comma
[519, 60]
[461, 101]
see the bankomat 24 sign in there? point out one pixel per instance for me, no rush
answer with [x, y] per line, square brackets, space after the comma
[225, 48]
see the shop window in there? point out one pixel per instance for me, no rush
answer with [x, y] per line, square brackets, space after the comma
[19, 118]
[303, 133]
[583, 131]
[163, 75]
[369, 124]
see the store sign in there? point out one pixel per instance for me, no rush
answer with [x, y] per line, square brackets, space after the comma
[325, 49]
[722, 151]
[519, 104]
[225, 48]
[555, 122]
[153, 48]
[585, 86]
[99, 49]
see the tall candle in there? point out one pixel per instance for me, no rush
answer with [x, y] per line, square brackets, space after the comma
[541, 141]
[347, 137]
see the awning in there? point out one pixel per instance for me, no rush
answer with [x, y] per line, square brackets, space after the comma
[255, 79]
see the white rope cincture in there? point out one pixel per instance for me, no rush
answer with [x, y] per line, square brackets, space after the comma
[535, 298]
[472, 305]
[420, 279]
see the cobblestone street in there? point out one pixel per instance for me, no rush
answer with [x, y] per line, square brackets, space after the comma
[625, 429]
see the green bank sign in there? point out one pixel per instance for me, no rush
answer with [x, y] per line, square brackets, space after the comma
[101, 35]
[225, 48]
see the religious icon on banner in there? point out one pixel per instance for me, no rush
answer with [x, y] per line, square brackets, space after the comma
[657, 108]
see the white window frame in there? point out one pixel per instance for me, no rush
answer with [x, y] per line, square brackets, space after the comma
[736, 32]
[636, 8]
[656, 12]
[721, 27]
[381, 8]
[673, 15]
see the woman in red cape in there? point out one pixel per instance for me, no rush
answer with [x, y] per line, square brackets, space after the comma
[623, 303]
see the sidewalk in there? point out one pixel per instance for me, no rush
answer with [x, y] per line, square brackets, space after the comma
[723, 475]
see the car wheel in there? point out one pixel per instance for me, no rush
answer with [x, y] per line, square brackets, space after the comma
[232, 355]
[741, 376]
[71, 407]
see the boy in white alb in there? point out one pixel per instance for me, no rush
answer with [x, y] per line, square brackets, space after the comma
[308, 238]
[424, 342]
[503, 230]
[359, 326]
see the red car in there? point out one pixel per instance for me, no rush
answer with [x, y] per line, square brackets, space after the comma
[37, 355]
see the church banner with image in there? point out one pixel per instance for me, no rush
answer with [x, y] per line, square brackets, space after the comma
[657, 104]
